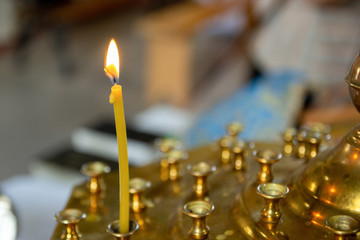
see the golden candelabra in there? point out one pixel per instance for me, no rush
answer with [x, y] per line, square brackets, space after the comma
[299, 189]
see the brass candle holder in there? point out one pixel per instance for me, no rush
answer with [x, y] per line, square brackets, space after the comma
[95, 170]
[137, 187]
[289, 136]
[70, 218]
[314, 140]
[198, 211]
[266, 159]
[225, 149]
[302, 144]
[239, 155]
[113, 230]
[234, 129]
[200, 171]
[344, 227]
[174, 158]
[166, 145]
[272, 194]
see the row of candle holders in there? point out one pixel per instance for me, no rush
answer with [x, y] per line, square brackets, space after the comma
[304, 144]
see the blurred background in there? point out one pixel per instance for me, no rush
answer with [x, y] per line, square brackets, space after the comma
[187, 69]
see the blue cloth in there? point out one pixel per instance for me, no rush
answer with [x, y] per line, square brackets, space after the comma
[264, 107]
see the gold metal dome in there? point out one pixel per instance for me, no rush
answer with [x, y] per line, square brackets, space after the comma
[330, 183]
[353, 79]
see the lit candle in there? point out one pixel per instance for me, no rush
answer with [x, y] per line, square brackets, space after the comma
[115, 98]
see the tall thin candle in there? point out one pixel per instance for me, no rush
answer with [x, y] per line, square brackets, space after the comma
[115, 98]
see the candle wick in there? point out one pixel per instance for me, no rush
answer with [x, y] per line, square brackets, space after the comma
[115, 80]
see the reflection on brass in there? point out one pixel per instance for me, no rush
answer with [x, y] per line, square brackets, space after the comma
[272, 193]
[344, 227]
[225, 149]
[137, 187]
[288, 137]
[266, 159]
[95, 170]
[234, 128]
[200, 171]
[70, 217]
[198, 211]
[174, 158]
[239, 155]
[113, 230]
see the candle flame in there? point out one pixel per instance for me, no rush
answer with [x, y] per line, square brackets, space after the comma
[112, 62]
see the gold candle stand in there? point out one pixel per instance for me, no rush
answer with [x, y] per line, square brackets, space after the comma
[137, 187]
[198, 211]
[95, 170]
[266, 159]
[70, 218]
[200, 172]
[320, 188]
[344, 227]
[272, 194]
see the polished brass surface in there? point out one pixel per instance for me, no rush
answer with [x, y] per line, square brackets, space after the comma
[113, 230]
[353, 80]
[272, 194]
[70, 218]
[343, 226]
[95, 170]
[198, 211]
[238, 150]
[137, 187]
[200, 171]
[266, 159]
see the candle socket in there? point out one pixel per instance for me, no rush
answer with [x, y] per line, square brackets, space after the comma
[174, 158]
[225, 149]
[288, 137]
[70, 217]
[200, 172]
[198, 211]
[137, 187]
[113, 230]
[266, 159]
[95, 170]
[239, 156]
[344, 227]
[272, 194]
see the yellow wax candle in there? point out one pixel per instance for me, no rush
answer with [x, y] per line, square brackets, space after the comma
[115, 98]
